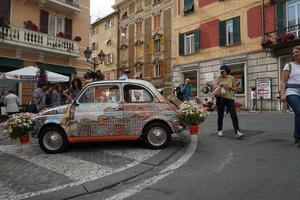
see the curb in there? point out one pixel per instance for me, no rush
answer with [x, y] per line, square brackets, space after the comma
[110, 180]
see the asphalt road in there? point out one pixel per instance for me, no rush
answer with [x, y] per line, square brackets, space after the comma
[263, 166]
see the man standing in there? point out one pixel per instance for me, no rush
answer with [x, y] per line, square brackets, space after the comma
[186, 89]
[56, 96]
[39, 97]
[125, 75]
[11, 102]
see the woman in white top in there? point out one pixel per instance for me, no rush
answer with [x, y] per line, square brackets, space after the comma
[11, 102]
[290, 89]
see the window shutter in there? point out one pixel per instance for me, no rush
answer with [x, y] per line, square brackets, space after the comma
[151, 46]
[5, 9]
[197, 39]
[181, 44]
[44, 21]
[68, 28]
[222, 33]
[162, 69]
[280, 17]
[162, 44]
[236, 30]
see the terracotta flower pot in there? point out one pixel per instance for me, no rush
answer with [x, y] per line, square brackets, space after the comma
[24, 139]
[194, 129]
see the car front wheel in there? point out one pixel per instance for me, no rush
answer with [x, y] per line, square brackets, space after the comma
[157, 135]
[53, 140]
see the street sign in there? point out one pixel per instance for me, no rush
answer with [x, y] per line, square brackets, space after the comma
[263, 88]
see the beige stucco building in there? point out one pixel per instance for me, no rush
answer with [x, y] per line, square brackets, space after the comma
[104, 36]
[42, 33]
[145, 40]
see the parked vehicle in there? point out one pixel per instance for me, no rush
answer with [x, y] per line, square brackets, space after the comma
[109, 111]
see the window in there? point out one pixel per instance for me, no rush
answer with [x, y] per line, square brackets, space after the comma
[109, 58]
[5, 10]
[230, 32]
[157, 46]
[237, 71]
[188, 6]
[156, 1]
[124, 34]
[138, 28]
[101, 94]
[109, 23]
[136, 94]
[157, 70]
[108, 42]
[156, 22]
[94, 46]
[293, 16]
[189, 43]
[55, 24]
[123, 56]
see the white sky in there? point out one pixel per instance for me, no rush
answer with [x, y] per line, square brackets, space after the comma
[100, 8]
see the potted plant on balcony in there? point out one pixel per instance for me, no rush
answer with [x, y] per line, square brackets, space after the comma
[19, 126]
[192, 115]
[77, 39]
[60, 34]
[285, 37]
[30, 25]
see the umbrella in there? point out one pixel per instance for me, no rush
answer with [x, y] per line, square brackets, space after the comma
[29, 74]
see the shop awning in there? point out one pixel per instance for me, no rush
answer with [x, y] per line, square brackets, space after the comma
[10, 63]
[58, 68]
[188, 6]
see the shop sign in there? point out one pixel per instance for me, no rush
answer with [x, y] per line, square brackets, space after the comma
[26, 77]
[235, 59]
[263, 88]
[189, 67]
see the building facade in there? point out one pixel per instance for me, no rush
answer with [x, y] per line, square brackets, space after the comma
[208, 33]
[104, 36]
[47, 33]
[145, 41]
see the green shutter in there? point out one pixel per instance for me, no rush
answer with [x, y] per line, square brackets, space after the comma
[222, 33]
[197, 39]
[280, 17]
[181, 44]
[188, 6]
[236, 30]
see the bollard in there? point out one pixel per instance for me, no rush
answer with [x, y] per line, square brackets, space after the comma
[261, 100]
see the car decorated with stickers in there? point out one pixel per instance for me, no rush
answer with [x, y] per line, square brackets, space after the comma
[115, 110]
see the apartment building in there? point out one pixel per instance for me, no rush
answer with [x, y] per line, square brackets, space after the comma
[244, 34]
[48, 33]
[104, 36]
[145, 41]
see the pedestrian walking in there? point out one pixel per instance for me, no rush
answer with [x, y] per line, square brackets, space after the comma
[227, 100]
[253, 99]
[74, 90]
[290, 89]
[125, 75]
[39, 97]
[186, 90]
[48, 93]
[12, 102]
[56, 96]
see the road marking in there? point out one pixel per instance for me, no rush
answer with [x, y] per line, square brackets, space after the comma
[162, 174]
[229, 157]
[76, 169]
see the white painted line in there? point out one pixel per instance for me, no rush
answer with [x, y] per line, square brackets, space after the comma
[135, 154]
[227, 160]
[162, 174]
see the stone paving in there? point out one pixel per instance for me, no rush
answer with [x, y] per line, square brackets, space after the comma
[26, 171]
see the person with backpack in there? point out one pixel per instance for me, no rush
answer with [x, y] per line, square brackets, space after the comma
[290, 89]
[186, 90]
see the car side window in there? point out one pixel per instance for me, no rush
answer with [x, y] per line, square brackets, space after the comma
[101, 94]
[136, 94]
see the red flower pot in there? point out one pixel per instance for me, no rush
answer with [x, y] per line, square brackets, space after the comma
[194, 129]
[24, 139]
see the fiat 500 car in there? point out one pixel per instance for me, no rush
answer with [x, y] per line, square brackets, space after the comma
[109, 111]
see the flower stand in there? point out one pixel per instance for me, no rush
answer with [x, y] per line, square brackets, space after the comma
[24, 139]
[194, 129]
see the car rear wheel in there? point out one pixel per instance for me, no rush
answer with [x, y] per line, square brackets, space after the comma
[53, 140]
[157, 135]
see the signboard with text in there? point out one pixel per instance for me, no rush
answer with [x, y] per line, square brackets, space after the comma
[264, 88]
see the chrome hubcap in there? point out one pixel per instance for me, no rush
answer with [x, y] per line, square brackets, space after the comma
[53, 140]
[157, 136]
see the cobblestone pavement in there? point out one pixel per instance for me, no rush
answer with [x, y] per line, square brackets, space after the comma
[26, 171]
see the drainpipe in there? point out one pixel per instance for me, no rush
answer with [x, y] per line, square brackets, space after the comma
[118, 45]
[263, 18]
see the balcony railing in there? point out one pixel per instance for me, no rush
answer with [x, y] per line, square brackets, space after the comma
[71, 6]
[40, 41]
[282, 37]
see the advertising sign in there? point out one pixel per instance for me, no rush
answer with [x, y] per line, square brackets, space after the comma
[264, 88]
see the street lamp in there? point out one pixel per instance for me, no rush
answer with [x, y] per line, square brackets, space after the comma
[101, 56]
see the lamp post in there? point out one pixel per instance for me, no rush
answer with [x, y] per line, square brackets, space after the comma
[101, 56]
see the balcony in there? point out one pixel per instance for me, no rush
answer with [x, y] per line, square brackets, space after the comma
[70, 6]
[280, 42]
[20, 37]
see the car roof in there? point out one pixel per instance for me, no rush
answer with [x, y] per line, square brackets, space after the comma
[142, 82]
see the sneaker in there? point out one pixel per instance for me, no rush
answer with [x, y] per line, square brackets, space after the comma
[220, 133]
[239, 135]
